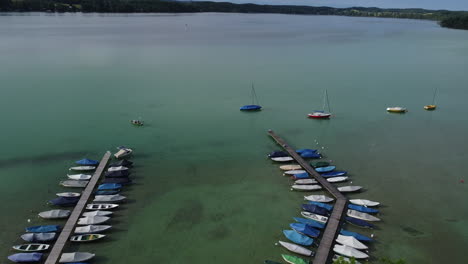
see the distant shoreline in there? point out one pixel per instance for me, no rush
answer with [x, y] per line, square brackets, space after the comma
[449, 19]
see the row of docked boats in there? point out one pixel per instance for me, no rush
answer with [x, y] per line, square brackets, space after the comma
[90, 225]
[317, 209]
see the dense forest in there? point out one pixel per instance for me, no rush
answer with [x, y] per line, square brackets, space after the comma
[452, 19]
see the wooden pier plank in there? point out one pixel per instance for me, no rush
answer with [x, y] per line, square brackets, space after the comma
[57, 249]
[325, 250]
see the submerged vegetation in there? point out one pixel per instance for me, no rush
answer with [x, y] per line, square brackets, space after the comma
[341, 260]
[452, 19]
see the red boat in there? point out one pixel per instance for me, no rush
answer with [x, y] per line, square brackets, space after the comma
[319, 115]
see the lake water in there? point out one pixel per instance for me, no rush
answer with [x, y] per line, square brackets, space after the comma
[204, 191]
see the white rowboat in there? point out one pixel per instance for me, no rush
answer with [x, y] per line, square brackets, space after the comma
[349, 188]
[86, 238]
[293, 172]
[101, 206]
[79, 177]
[364, 202]
[290, 167]
[83, 168]
[31, 247]
[362, 216]
[123, 152]
[299, 187]
[296, 248]
[75, 257]
[92, 220]
[68, 194]
[316, 217]
[282, 159]
[91, 229]
[119, 168]
[318, 198]
[305, 181]
[338, 179]
[74, 183]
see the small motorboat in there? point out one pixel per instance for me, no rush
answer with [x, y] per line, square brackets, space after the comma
[110, 192]
[136, 122]
[290, 167]
[323, 205]
[337, 179]
[293, 259]
[38, 237]
[350, 241]
[318, 198]
[79, 177]
[278, 154]
[25, 257]
[305, 181]
[292, 172]
[87, 162]
[65, 201]
[319, 218]
[117, 174]
[55, 214]
[109, 198]
[364, 202]
[363, 209]
[358, 222]
[43, 229]
[282, 159]
[325, 169]
[312, 208]
[74, 184]
[101, 206]
[122, 162]
[120, 180]
[109, 186]
[31, 247]
[120, 168]
[123, 152]
[349, 252]
[349, 188]
[296, 249]
[92, 220]
[333, 174]
[319, 115]
[396, 109]
[319, 164]
[356, 235]
[91, 229]
[68, 194]
[75, 257]
[304, 187]
[305, 229]
[298, 238]
[86, 238]
[83, 168]
[430, 107]
[362, 216]
[97, 213]
[309, 222]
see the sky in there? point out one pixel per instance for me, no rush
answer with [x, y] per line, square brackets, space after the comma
[428, 4]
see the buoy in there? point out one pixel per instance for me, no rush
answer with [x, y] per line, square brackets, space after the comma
[462, 181]
[29, 220]
[372, 235]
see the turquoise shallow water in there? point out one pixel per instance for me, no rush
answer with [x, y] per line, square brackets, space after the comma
[203, 191]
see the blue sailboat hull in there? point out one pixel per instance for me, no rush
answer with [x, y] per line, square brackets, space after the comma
[298, 238]
[309, 222]
[87, 162]
[333, 174]
[325, 169]
[359, 222]
[250, 108]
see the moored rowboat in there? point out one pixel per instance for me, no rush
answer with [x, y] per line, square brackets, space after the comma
[101, 206]
[318, 198]
[31, 247]
[68, 194]
[338, 179]
[349, 252]
[79, 177]
[290, 167]
[362, 216]
[91, 229]
[75, 257]
[315, 217]
[364, 202]
[304, 187]
[282, 159]
[86, 238]
[296, 248]
[83, 168]
[292, 172]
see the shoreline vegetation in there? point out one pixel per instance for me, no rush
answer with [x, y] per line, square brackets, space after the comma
[446, 18]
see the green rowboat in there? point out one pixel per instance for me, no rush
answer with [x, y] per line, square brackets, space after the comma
[293, 260]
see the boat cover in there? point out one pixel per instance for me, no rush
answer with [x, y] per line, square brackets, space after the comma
[250, 107]
[309, 222]
[38, 237]
[310, 155]
[300, 151]
[107, 192]
[323, 205]
[305, 229]
[298, 238]
[303, 175]
[315, 209]
[65, 201]
[109, 186]
[363, 209]
[359, 222]
[43, 229]
[122, 180]
[26, 257]
[333, 174]
[87, 162]
[325, 169]
[355, 235]
[116, 174]
[277, 154]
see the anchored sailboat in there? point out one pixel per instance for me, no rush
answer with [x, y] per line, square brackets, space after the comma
[321, 114]
[433, 105]
[254, 106]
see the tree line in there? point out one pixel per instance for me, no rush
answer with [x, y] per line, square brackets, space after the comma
[452, 19]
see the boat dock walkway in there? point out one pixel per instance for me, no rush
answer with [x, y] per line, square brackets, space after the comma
[325, 250]
[64, 236]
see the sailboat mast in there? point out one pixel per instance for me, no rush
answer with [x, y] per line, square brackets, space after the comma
[254, 95]
[433, 98]
[328, 101]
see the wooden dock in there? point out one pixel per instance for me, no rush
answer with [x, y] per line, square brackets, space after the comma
[325, 250]
[64, 236]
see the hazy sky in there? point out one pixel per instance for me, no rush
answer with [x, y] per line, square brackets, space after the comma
[428, 4]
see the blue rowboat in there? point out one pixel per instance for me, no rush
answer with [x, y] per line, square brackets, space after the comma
[315, 209]
[278, 154]
[298, 238]
[363, 209]
[250, 108]
[311, 155]
[110, 192]
[38, 237]
[309, 222]
[109, 186]
[323, 205]
[333, 174]
[356, 235]
[65, 201]
[43, 229]
[300, 151]
[299, 176]
[359, 222]
[325, 169]
[305, 229]
[26, 257]
[87, 162]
